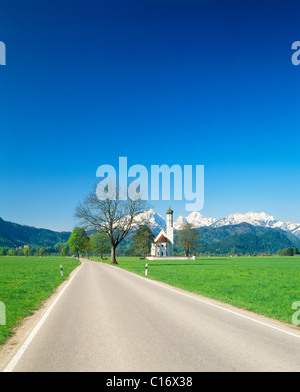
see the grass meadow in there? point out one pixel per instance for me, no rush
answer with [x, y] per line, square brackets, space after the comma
[25, 282]
[264, 285]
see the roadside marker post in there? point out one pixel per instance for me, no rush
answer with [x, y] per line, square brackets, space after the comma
[146, 270]
[61, 271]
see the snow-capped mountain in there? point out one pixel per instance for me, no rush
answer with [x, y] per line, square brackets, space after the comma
[253, 218]
[158, 222]
[196, 219]
[155, 220]
[259, 219]
[296, 232]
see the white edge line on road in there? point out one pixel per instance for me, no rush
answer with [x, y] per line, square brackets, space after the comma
[14, 361]
[211, 304]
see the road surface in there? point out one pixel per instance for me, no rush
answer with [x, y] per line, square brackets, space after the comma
[111, 320]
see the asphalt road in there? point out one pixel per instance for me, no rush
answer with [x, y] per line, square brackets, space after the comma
[111, 320]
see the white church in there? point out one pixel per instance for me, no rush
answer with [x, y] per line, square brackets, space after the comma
[163, 245]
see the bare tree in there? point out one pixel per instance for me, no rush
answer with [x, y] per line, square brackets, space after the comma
[106, 210]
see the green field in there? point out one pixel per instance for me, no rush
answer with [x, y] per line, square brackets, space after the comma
[25, 282]
[265, 285]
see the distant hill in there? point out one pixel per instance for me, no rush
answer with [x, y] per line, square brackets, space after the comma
[13, 235]
[245, 239]
[214, 234]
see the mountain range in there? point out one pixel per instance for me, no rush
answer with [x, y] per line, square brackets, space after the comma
[158, 222]
[237, 233]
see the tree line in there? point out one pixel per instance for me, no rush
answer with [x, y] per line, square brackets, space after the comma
[30, 250]
[288, 252]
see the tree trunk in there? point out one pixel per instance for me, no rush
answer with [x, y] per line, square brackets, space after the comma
[113, 255]
[185, 251]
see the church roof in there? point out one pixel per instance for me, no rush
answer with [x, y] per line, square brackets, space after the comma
[162, 238]
[169, 211]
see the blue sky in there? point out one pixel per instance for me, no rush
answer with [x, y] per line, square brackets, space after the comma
[160, 82]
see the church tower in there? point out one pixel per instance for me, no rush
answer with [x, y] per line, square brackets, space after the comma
[170, 229]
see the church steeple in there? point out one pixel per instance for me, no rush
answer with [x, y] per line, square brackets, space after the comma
[170, 229]
[169, 211]
[169, 217]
